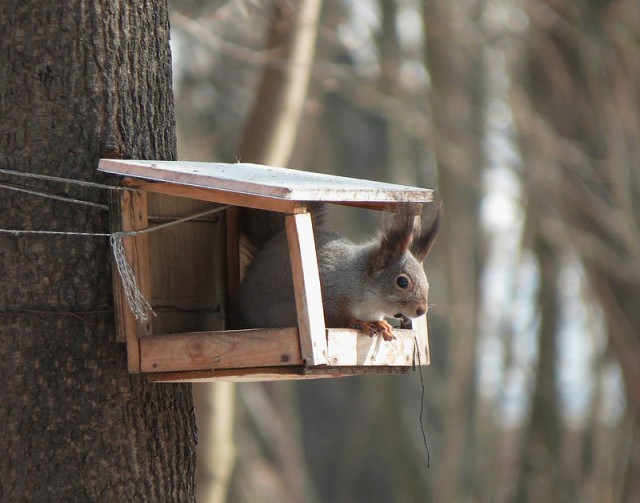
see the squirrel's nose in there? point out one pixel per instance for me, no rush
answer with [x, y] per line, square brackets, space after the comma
[421, 310]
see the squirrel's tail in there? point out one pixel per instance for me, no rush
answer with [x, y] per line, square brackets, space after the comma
[258, 226]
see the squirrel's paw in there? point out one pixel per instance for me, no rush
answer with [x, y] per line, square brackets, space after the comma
[372, 328]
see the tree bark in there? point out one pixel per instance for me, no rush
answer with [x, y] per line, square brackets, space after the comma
[80, 80]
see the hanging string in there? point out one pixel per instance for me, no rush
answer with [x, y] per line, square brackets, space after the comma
[139, 306]
[20, 232]
[53, 196]
[424, 435]
[192, 216]
[71, 181]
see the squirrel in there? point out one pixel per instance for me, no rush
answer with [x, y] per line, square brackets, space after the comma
[361, 283]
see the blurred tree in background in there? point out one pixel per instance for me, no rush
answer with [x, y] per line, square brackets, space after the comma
[524, 115]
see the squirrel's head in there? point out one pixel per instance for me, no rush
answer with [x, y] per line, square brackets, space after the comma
[395, 266]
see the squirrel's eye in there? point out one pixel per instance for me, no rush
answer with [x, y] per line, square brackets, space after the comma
[402, 282]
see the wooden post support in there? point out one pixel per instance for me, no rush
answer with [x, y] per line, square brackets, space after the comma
[422, 335]
[306, 285]
[131, 215]
[234, 270]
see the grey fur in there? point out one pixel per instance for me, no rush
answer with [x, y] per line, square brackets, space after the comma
[358, 281]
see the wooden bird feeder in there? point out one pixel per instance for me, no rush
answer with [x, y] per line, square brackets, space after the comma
[179, 274]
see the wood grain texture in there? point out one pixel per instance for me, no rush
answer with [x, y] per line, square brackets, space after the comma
[188, 283]
[352, 347]
[220, 350]
[306, 287]
[240, 351]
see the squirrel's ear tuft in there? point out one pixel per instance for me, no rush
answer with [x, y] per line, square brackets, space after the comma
[424, 239]
[396, 238]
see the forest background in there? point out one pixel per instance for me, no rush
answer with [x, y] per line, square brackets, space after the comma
[523, 114]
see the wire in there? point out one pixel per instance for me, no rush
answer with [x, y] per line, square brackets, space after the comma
[424, 435]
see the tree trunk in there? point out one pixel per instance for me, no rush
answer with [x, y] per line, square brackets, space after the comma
[541, 472]
[272, 125]
[455, 63]
[577, 103]
[80, 80]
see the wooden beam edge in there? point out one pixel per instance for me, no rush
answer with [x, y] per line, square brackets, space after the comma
[333, 188]
[306, 286]
[128, 211]
[272, 374]
[220, 350]
[272, 348]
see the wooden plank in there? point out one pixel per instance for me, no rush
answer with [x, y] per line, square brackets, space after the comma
[131, 214]
[220, 350]
[237, 375]
[233, 256]
[421, 329]
[189, 269]
[272, 374]
[266, 181]
[306, 286]
[352, 347]
[214, 195]
[353, 370]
